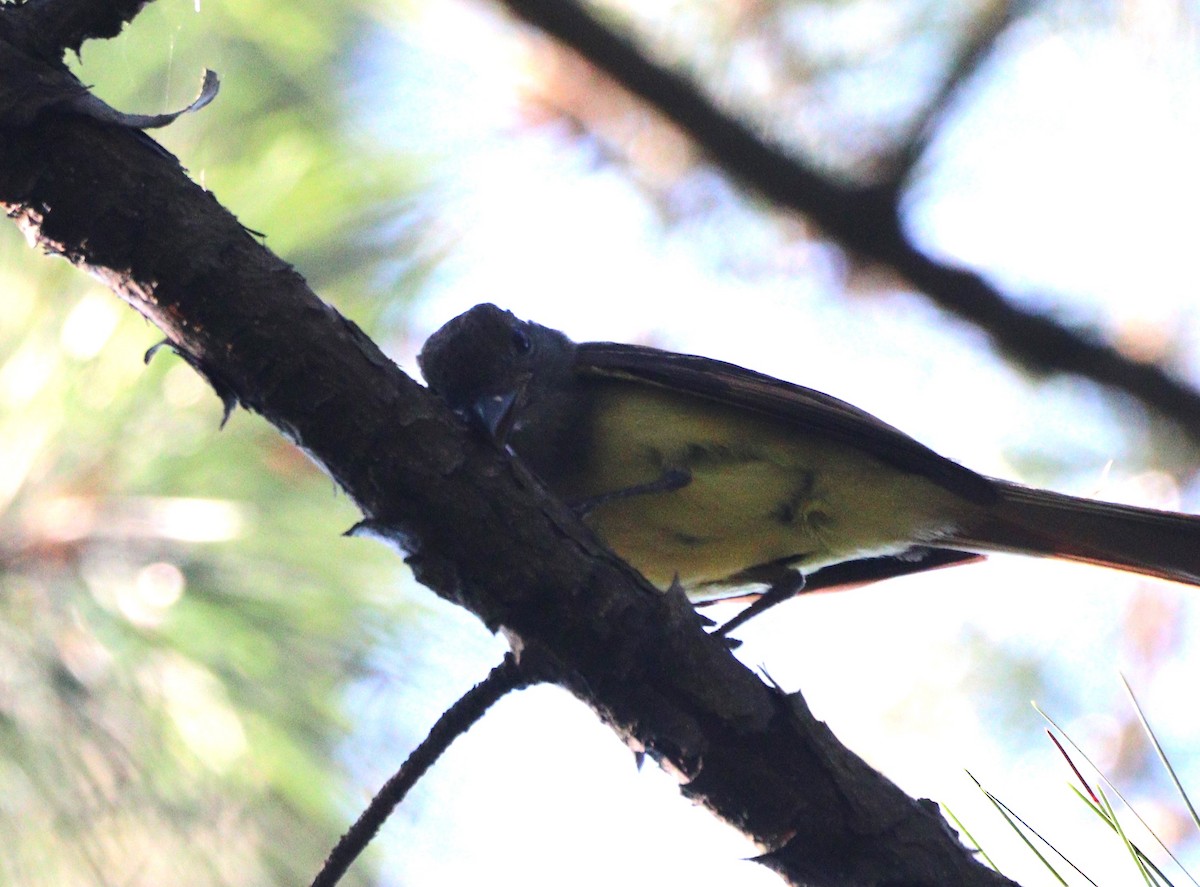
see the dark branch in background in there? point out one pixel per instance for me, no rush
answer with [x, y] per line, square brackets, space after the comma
[455, 721]
[478, 529]
[864, 219]
[975, 49]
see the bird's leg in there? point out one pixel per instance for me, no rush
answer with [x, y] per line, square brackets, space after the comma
[670, 480]
[784, 582]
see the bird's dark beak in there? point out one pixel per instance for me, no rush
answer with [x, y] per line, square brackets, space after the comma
[497, 413]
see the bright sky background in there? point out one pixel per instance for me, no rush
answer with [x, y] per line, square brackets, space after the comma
[908, 674]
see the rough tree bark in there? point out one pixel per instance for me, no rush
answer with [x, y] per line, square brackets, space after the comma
[477, 528]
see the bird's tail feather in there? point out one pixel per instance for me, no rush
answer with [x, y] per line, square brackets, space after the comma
[1140, 540]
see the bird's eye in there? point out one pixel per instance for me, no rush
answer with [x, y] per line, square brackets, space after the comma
[520, 341]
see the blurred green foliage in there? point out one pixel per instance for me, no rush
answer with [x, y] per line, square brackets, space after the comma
[179, 615]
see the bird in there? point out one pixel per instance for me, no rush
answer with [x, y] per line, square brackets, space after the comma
[716, 478]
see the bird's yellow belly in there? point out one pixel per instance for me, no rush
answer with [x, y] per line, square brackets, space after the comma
[759, 492]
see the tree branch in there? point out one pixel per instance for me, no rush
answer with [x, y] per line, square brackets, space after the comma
[456, 720]
[51, 27]
[974, 50]
[478, 529]
[863, 219]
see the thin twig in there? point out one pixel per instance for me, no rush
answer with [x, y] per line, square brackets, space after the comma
[972, 53]
[456, 720]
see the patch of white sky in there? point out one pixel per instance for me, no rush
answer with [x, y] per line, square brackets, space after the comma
[1068, 175]
[1072, 172]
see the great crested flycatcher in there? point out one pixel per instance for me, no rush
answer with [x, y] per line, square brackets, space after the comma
[698, 469]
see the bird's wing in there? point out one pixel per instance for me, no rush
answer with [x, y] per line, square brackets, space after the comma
[802, 408]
